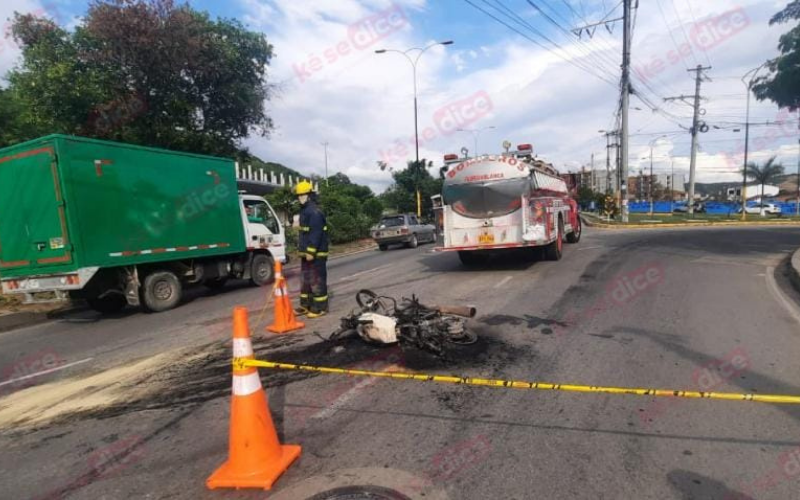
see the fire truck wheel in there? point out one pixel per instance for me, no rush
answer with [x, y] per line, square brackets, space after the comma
[553, 251]
[575, 235]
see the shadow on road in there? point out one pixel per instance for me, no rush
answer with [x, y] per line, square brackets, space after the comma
[749, 381]
[692, 485]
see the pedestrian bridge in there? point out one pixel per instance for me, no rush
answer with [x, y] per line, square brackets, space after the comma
[261, 182]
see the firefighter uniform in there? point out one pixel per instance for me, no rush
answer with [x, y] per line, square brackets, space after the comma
[313, 249]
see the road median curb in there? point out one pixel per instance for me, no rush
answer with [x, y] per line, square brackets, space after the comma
[794, 270]
[601, 225]
[295, 262]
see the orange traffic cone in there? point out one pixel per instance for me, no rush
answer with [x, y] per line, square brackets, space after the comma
[256, 458]
[285, 320]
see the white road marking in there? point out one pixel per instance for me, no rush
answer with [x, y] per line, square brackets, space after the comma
[589, 248]
[778, 294]
[503, 282]
[44, 372]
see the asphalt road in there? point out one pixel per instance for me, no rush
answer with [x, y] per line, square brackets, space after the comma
[137, 405]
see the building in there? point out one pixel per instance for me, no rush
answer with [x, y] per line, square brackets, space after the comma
[753, 192]
[662, 185]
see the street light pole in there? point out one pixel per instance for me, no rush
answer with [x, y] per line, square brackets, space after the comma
[475, 133]
[413, 63]
[327, 181]
[749, 85]
[650, 189]
[671, 186]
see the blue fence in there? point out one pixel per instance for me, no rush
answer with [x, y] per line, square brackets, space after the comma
[712, 207]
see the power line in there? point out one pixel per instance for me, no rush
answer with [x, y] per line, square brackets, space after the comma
[683, 30]
[601, 56]
[669, 32]
[536, 42]
[694, 20]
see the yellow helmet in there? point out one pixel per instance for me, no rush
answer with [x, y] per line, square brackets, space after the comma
[303, 187]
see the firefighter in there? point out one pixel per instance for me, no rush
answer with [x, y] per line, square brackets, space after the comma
[313, 249]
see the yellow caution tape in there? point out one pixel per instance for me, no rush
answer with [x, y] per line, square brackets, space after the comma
[240, 363]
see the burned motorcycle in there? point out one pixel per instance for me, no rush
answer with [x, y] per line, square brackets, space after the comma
[384, 320]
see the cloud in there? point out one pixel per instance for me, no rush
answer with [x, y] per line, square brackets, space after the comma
[330, 86]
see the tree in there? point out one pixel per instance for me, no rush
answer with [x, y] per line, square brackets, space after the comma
[585, 196]
[764, 174]
[401, 196]
[782, 85]
[148, 72]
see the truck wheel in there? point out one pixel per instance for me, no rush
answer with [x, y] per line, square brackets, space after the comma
[383, 248]
[161, 291]
[413, 242]
[472, 259]
[262, 270]
[109, 304]
[575, 235]
[553, 250]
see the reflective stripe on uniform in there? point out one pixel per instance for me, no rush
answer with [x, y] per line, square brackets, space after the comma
[305, 228]
[311, 249]
[321, 299]
[303, 295]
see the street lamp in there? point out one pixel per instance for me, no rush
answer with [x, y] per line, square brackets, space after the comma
[475, 133]
[749, 85]
[650, 189]
[413, 62]
[609, 134]
[327, 181]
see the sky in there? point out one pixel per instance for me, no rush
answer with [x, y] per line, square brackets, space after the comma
[527, 79]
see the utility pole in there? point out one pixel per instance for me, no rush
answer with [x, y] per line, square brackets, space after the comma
[696, 126]
[626, 87]
[327, 182]
[608, 162]
[594, 177]
[650, 186]
[693, 161]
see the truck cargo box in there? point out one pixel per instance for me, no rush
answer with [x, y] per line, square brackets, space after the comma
[70, 204]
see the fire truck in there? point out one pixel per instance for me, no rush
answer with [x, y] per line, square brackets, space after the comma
[494, 203]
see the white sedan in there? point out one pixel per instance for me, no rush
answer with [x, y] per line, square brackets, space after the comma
[763, 208]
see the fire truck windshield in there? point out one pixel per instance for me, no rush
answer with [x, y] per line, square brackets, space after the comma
[488, 199]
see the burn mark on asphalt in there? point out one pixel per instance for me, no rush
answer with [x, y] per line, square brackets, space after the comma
[190, 382]
[530, 322]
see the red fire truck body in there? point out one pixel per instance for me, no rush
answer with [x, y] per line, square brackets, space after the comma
[494, 203]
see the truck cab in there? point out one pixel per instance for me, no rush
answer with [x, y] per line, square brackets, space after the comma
[262, 228]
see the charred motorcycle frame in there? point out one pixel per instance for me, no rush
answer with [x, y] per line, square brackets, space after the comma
[381, 319]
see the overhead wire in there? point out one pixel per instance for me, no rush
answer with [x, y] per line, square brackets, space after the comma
[683, 30]
[694, 20]
[574, 63]
[601, 55]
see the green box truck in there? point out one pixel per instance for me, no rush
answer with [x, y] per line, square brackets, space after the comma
[117, 224]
